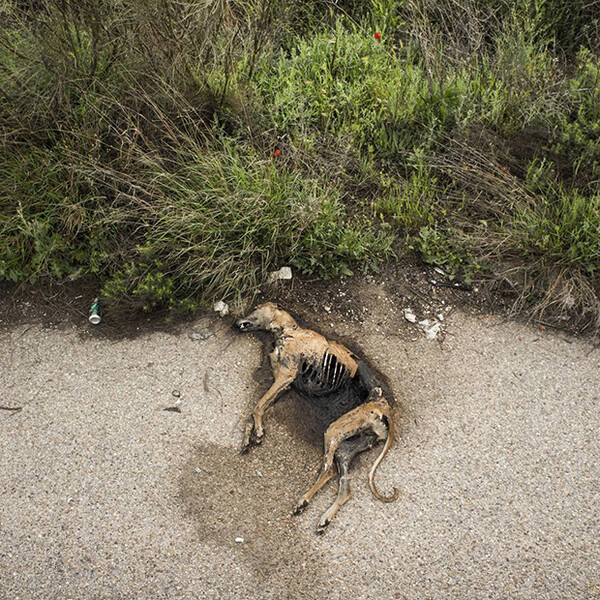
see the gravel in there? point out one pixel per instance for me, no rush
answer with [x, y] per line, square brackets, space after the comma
[103, 494]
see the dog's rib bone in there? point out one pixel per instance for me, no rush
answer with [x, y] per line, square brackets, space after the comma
[323, 368]
[327, 373]
[327, 369]
[331, 377]
[337, 375]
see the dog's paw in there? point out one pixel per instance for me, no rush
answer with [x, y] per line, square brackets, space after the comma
[375, 394]
[257, 437]
[248, 435]
[322, 526]
[252, 437]
[299, 508]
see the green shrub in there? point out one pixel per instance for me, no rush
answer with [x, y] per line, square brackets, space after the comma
[139, 144]
[223, 218]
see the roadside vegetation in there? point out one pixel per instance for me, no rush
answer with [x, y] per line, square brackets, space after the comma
[181, 151]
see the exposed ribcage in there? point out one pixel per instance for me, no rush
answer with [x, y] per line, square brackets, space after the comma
[322, 377]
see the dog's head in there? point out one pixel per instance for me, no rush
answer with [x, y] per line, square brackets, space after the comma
[266, 317]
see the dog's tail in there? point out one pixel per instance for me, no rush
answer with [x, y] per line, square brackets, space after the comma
[388, 442]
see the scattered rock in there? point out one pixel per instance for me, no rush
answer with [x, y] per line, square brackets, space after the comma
[431, 328]
[172, 409]
[221, 307]
[205, 334]
[176, 393]
[409, 315]
[283, 273]
[239, 540]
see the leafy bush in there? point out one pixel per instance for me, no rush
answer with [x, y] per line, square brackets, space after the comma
[181, 150]
[223, 218]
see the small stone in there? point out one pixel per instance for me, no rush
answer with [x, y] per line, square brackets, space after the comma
[221, 307]
[201, 335]
[430, 327]
[176, 393]
[409, 315]
[239, 540]
[283, 274]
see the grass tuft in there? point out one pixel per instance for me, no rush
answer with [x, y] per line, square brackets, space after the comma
[182, 150]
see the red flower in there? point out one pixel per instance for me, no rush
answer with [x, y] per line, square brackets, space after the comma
[277, 152]
[378, 36]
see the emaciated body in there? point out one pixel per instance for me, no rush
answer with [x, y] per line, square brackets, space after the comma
[344, 390]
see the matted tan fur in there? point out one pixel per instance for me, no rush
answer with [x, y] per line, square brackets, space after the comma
[295, 348]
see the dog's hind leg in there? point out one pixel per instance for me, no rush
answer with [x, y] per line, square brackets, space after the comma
[324, 476]
[333, 437]
[370, 420]
[342, 497]
[344, 456]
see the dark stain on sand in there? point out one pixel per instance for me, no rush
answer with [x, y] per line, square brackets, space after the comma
[251, 496]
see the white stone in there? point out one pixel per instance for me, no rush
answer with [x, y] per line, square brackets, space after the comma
[430, 327]
[409, 315]
[221, 307]
[283, 273]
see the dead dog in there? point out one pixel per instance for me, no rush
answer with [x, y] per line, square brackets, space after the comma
[346, 390]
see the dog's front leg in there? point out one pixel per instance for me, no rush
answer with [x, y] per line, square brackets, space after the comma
[254, 429]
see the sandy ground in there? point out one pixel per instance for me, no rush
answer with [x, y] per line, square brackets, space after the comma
[104, 494]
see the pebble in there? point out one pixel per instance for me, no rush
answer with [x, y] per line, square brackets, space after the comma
[201, 335]
[430, 327]
[221, 307]
[409, 315]
[283, 273]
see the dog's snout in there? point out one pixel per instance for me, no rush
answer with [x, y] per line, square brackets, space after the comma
[242, 324]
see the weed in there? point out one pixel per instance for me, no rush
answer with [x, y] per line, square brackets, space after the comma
[181, 150]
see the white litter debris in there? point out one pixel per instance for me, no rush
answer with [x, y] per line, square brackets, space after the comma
[221, 307]
[283, 273]
[239, 540]
[430, 327]
[409, 315]
[259, 473]
[327, 309]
